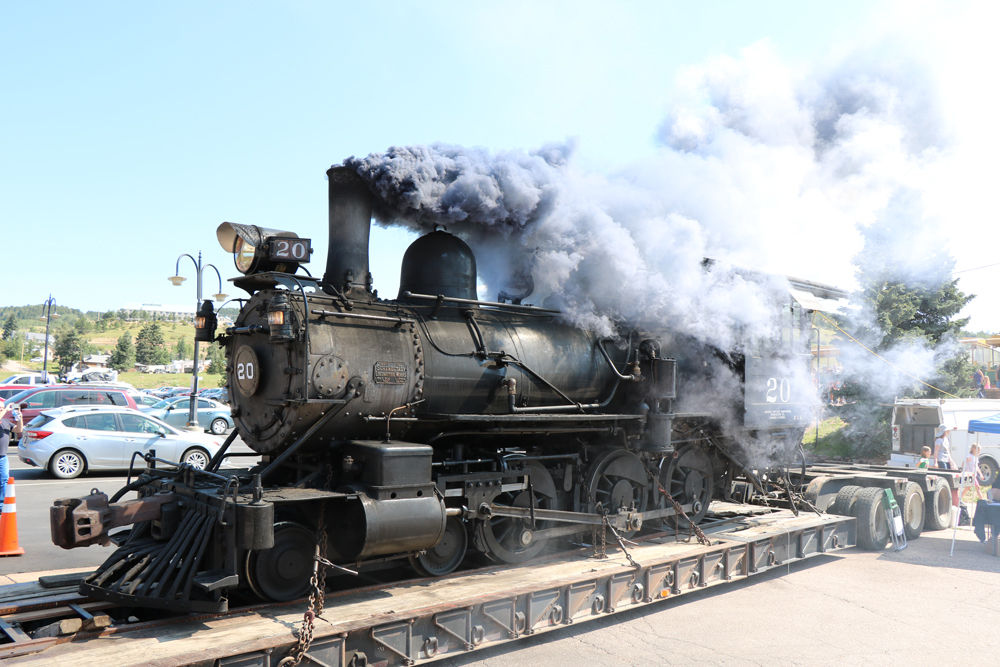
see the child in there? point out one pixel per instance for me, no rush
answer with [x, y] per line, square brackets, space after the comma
[925, 458]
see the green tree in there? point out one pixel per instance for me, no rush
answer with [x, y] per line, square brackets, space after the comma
[907, 309]
[181, 351]
[83, 325]
[150, 347]
[123, 358]
[9, 328]
[216, 359]
[69, 347]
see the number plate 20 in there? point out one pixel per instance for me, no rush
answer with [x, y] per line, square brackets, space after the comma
[246, 370]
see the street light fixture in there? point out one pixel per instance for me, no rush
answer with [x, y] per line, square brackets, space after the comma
[50, 308]
[199, 335]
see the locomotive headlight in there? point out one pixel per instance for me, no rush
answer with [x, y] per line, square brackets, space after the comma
[205, 323]
[257, 249]
[244, 254]
[279, 318]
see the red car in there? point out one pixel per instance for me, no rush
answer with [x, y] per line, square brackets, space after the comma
[36, 399]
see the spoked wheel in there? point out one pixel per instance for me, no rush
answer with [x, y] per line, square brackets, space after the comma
[688, 479]
[447, 554]
[282, 572]
[618, 481]
[510, 540]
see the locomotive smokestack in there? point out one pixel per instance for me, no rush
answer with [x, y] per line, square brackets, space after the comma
[350, 226]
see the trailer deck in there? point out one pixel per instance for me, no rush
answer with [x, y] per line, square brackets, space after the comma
[415, 622]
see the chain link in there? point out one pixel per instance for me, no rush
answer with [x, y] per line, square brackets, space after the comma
[605, 527]
[317, 586]
[693, 530]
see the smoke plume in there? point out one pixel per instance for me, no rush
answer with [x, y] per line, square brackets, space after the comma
[761, 166]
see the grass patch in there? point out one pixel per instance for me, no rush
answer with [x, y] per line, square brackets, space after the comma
[831, 441]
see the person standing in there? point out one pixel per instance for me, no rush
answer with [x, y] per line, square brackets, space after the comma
[978, 377]
[10, 422]
[942, 448]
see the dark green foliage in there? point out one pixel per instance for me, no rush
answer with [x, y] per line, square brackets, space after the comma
[70, 346]
[9, 327]
[123, 358]
[182, 351]
[150, 348]
[908, 309]
[216, 359]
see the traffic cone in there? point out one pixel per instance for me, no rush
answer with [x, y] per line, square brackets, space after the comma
[8, 523]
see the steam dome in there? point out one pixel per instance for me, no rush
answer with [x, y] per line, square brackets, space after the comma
[439, 263]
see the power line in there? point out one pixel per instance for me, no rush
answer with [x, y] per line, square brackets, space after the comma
[977, 268]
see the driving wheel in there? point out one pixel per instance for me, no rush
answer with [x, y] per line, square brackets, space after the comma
[618, 481]
[688, 479]
[511, 540]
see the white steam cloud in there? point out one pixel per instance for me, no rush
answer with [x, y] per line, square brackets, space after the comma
[756, 157]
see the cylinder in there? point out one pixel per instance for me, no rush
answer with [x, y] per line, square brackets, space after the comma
[350, 226]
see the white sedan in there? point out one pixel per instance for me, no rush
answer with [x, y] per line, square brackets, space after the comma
[70, 441]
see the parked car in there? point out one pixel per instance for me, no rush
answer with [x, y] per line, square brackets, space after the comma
[220, 394]
[73, 440]
[30, 379]
[33, 401]
[8, 390]
[145, 400]
[214, 416]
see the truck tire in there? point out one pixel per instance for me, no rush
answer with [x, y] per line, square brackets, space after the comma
[912, 507]
[873, 527]
[989, 468]
[846, 501]
[938, 506]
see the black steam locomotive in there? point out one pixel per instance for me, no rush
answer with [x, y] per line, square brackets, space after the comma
[430, 428]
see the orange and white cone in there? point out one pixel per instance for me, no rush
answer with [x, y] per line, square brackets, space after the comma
[8, 523]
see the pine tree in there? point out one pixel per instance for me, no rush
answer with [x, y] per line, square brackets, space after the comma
[181, 350]
[908, 303]
[123, 358]
[150, 348]
[9, 328]
[69, 346]
[216, 359]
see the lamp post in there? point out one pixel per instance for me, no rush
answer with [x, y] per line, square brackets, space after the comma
[50, 308]
[176, 279]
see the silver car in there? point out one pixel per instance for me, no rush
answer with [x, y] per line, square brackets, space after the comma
[71, 440]
[213, 416]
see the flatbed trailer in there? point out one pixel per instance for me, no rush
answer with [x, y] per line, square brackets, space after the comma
[419, 621]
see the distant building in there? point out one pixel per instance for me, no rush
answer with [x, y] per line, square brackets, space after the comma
[171, 311]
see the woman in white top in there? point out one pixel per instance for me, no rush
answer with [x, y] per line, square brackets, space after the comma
[942, 448]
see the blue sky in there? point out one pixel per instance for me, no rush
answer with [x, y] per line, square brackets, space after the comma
[131, 130]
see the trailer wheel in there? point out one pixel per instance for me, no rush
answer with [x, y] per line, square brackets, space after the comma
[989, 468]
[938, 506]
[911, 505]
[846, 501]
[873, 526]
